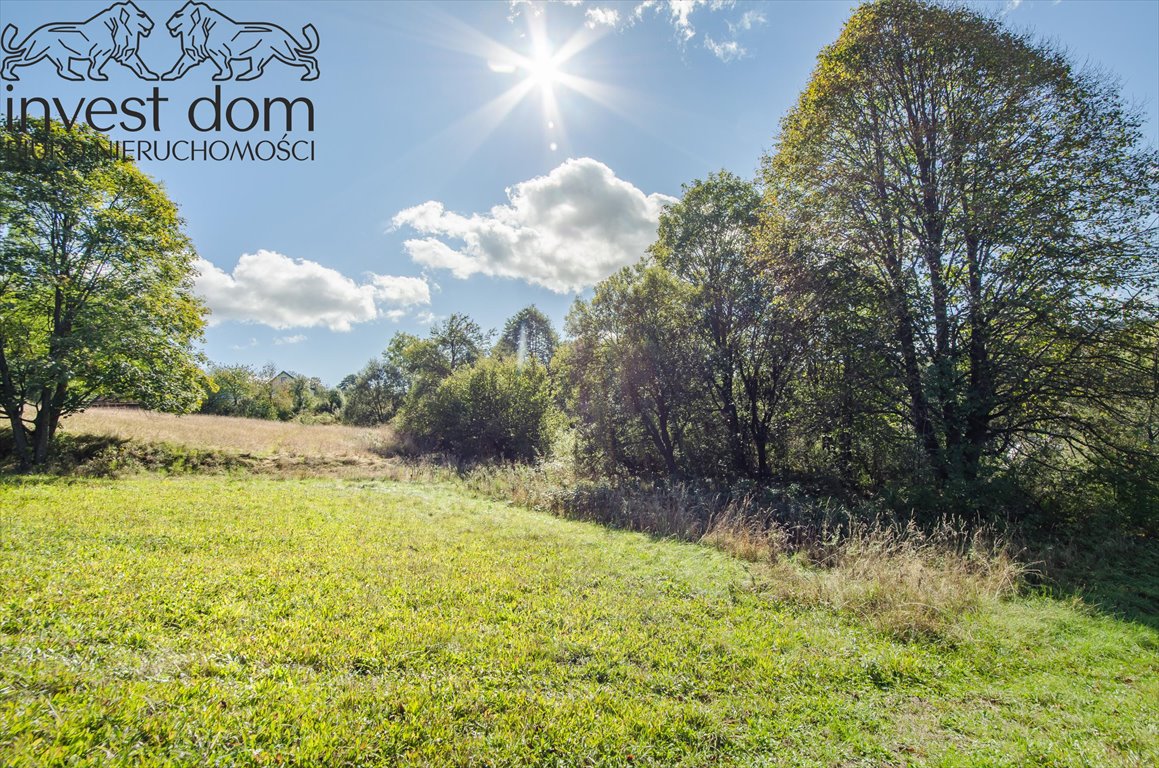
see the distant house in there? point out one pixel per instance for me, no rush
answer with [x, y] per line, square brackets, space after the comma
[111, 402]
[283, 379]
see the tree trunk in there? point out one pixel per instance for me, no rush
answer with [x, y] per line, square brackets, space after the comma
[981, 386]
[919, 403]
[13, 406]
[923, 126]
[904, 328]
[41, 431]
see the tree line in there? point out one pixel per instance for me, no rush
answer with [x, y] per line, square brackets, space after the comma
[453, 391]
[944, 281]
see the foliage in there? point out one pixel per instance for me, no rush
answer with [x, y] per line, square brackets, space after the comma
[459, 340]
[528, 334]
[450, 397]
[375, 394]
[946, 295]
[635, 381]
[749, 345]
[95, 284]
[685, 365]
[973, 223]
[240, 390]
[494, 409]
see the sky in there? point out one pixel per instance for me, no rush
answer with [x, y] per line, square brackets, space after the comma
[480, 157]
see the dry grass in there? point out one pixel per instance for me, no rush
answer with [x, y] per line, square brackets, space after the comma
[900, 578]
[253, 437]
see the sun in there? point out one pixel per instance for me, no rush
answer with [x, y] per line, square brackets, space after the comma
[541, 66]
[540, 69]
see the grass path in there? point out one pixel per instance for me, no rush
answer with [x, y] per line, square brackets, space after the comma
[234, 621]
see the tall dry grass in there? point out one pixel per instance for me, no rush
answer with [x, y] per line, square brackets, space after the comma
[255, 437]
[909, 581]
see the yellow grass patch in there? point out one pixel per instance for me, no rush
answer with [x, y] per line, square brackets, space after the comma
[247, 436]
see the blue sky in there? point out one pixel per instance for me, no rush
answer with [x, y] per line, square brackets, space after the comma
[444, 181]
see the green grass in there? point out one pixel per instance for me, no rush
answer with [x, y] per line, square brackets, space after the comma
[195, 620]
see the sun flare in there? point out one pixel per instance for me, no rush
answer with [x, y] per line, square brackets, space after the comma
[536, 69]
[541, 67]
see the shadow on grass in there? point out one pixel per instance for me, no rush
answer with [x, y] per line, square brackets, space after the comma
[1109, 571]
[69, 453]
[1116, 575]
[87, 455]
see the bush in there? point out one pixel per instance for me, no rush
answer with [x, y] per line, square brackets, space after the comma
[493, 409]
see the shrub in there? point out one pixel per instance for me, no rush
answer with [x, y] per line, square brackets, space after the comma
[493, 409]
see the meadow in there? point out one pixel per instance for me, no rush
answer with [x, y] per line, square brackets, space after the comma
[235, 619]
[127, 438]
[256, 437]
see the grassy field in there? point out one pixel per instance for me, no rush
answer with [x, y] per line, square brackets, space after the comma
[232, 620]
[257, 445]
[254, 436]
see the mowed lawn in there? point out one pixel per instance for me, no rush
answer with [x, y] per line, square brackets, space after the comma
[232, 621]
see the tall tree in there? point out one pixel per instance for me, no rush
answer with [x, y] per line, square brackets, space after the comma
[460, 340]
[376, 393]
[706, 241]
[528, 334]
[95, 285]
[635, 376]
[996, 206]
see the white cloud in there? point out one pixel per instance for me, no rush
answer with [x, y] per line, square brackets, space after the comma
[602, 17]
[275, 290]
[401, 291]
[677, 13]
[680, 13]
[297, 338]
[747, 21]
[642, 7]
[729, 50]
[565, 231]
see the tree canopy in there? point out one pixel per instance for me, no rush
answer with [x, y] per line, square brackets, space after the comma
[95, 285]
[946, 281]
[528, 334]
[995, 209]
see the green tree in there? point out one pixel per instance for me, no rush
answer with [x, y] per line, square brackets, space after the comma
[230, 390]
[995, 208]
[375, 394]
[95, 285]
[636, 377]
[528, 334]
[459, 340]
[747, 340]
[493, 409]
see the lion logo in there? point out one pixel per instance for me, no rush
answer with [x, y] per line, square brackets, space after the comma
[111, 35]
[208, 34]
